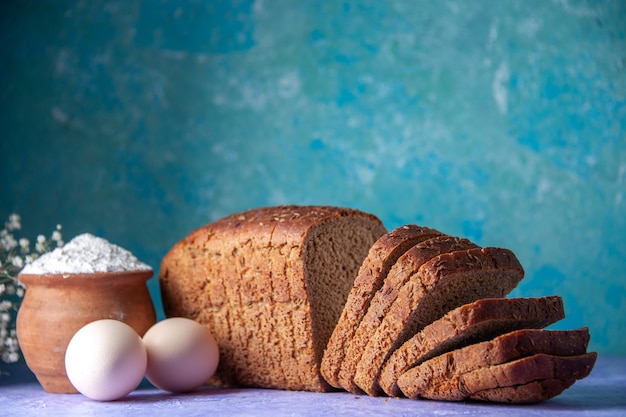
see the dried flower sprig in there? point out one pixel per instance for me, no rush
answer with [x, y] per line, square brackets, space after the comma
[15, 253]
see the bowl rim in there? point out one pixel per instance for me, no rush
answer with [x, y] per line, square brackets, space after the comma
[142, 274]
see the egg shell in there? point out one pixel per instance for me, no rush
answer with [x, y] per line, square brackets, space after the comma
[106, 360]
[182, 354]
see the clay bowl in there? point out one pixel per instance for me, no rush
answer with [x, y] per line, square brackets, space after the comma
[56, 306]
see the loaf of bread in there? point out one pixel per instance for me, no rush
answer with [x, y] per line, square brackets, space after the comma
[501, 349]
[320, 298]
[474, 322]
[270, 284]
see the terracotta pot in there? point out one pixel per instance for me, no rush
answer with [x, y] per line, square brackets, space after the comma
[56, 306]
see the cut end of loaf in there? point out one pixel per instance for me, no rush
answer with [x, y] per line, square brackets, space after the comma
[334, 252]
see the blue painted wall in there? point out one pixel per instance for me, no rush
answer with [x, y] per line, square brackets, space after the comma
[500, 121]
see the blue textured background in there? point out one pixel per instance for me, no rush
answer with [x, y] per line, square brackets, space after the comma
[500, 121]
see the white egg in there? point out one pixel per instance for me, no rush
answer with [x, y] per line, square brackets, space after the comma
[182, 354]
[106, 360]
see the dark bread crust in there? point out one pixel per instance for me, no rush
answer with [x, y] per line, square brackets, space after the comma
[440, 285]
[522, 371]
[501, 349]
[372, 273]
[407, 265]
[475, 322]
[249, 278]
[533, 392]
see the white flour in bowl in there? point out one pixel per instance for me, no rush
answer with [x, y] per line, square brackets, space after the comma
[85, 253]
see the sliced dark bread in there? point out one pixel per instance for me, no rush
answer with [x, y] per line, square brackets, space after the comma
[440, 285]
[522, 371]
[381, 257]
[471, 323]
[406, 266]
[533, 392]
[504, 348]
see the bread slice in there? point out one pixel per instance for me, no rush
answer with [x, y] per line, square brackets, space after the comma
[406, 265]
[533, 392]
[474, 322]
[382, 255]
[522, 371]
[504, 348]
[270, 284]
[440, 285]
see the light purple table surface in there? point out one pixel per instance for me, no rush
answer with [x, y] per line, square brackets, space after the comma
[603, 393]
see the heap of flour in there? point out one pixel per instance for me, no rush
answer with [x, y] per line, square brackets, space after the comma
[85, 253]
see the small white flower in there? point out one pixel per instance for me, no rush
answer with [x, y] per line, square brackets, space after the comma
[11, 343]
[18, 262]
[3, 288]
[10, 357]
[14, 222]
[8, 242]
[24, 245]
[5, 305]
[10, 288]
[20, 292]
[40, 246]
